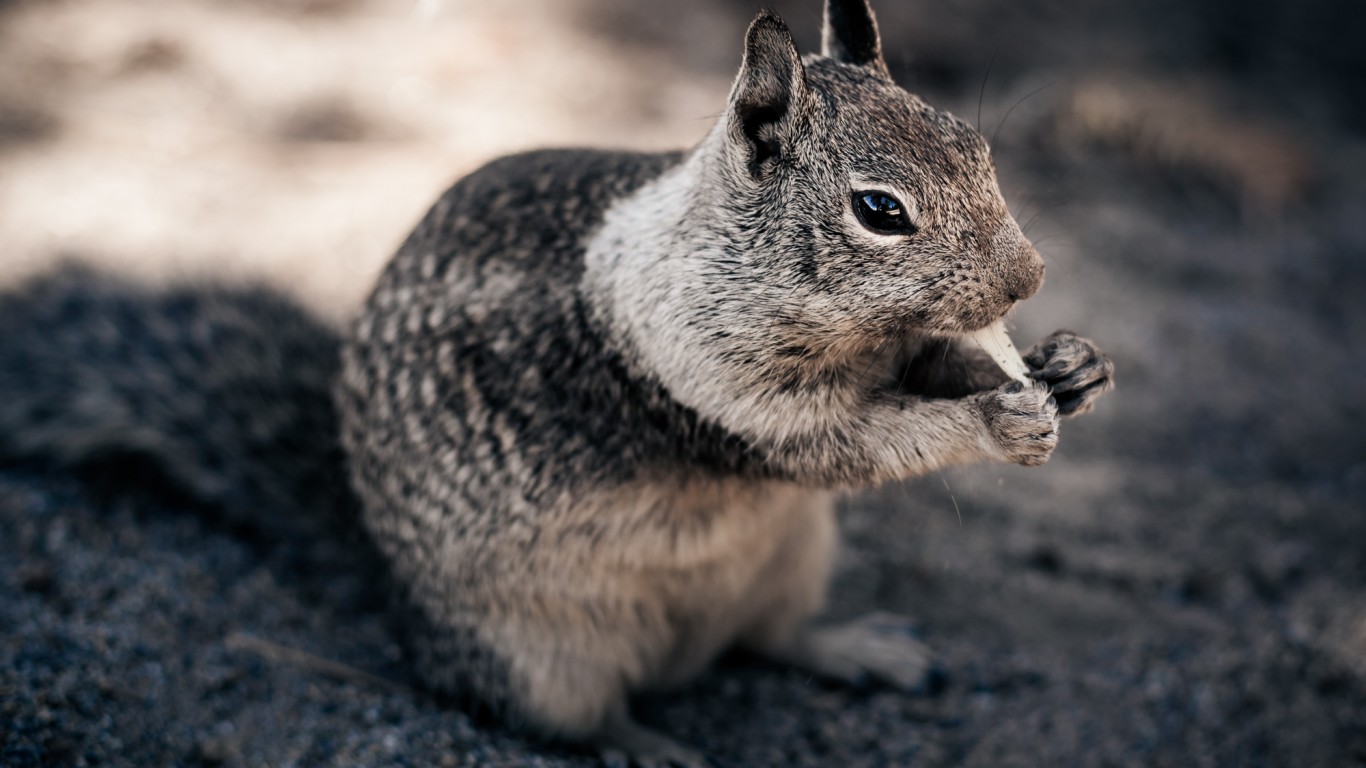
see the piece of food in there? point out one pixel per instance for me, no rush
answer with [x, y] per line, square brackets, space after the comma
[994, 340]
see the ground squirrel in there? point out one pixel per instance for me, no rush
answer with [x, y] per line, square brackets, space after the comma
[596, 407]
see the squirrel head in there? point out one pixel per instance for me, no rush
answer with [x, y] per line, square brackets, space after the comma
[873, 214]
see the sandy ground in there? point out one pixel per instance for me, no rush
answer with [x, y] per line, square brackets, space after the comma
[1183, 585]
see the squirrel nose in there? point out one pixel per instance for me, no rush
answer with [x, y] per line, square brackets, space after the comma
[1027, 276]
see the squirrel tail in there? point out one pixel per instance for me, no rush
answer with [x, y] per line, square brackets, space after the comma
[219, 395]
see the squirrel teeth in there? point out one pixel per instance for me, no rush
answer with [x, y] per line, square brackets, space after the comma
[994, 340]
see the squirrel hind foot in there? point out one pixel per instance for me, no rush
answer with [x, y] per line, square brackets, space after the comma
[876, 648]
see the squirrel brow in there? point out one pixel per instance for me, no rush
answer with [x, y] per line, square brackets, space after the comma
[859, 183]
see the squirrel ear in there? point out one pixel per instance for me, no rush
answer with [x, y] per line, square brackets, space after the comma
[771, 83]
[850, 34]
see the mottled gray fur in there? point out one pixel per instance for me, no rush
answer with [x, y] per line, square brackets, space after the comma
[597, 405]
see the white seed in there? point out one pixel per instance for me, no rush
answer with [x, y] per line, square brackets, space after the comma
[994, 340]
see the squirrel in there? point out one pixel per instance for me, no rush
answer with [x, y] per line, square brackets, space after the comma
[595, 412]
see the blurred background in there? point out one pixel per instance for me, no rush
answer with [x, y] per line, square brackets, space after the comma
[1184, 584]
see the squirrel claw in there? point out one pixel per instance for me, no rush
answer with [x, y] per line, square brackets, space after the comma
[1023, 420]
[1074, 368]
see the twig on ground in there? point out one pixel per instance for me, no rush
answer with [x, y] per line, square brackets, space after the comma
[284, 654]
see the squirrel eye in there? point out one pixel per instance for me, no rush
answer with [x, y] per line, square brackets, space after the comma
[883, 213]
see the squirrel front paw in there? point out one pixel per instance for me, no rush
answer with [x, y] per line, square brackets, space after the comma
[1023, 420]
[1074, 368]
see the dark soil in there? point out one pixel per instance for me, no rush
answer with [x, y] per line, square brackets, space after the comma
[1183, 585]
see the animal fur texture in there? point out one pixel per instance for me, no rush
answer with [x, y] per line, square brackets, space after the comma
[597, 406]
